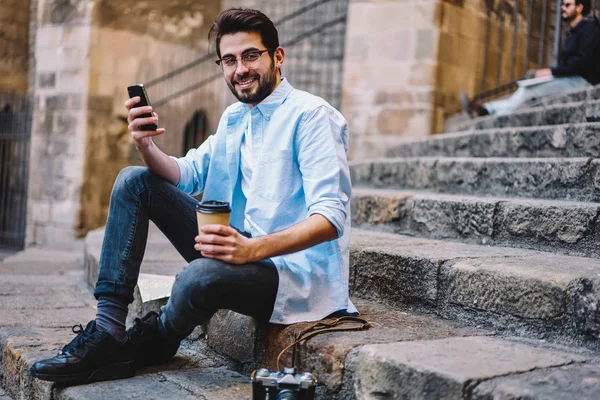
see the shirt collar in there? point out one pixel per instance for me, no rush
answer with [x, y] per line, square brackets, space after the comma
[275, 99]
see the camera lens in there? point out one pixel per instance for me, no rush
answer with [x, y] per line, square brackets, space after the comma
[287, 394]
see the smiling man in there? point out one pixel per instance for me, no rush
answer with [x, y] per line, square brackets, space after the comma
[279, 158]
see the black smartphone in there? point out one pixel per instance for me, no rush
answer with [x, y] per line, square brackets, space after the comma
[138, 90]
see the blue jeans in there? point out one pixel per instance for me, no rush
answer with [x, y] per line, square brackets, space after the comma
[205, 285]
[524, 94]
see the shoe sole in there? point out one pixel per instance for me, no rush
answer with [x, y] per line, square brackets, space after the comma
[105, 373]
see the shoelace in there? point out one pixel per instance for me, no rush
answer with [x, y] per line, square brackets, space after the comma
[138, 329]
[79, 340]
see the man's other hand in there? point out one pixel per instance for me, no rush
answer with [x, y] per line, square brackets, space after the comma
[540, 73]
[224, 243]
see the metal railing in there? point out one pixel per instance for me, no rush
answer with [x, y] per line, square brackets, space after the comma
[539, 22]
[313, 34]
[15, 137]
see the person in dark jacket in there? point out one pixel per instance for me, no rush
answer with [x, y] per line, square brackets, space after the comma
[578, 66]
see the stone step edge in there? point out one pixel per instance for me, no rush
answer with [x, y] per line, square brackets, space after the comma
[538, 141]
[500, 221]
[482, 121]
[573, 178]
[524, 292]
[437, 275]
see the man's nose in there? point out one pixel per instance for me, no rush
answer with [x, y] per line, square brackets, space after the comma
[240, 68]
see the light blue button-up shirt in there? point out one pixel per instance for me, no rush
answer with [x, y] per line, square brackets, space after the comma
[300, 168]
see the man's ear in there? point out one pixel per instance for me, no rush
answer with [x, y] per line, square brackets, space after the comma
[278, 57]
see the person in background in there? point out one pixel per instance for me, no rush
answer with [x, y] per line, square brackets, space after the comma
[578, 66]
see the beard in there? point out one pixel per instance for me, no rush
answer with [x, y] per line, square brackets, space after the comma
[266, 85]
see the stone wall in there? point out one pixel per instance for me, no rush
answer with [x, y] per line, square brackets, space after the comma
[407, 60]
[389, 72]
[59, 119]
[14, 45]
[462, 55]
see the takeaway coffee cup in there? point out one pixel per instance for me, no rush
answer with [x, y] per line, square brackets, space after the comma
[212, 212]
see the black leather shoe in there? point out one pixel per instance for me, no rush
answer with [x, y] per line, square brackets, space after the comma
[92, 356]
[150, 343]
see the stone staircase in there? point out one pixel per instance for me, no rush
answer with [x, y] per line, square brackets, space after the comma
[475, 255]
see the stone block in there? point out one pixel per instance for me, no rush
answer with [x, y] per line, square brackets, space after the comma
[65, 12]
[392, 121]
[423, 74]
[583, 304]
[49, 37]
[234, 335]
[576, 381]
[442, 369]
[47, 80]
[67, 123]
[426, 45]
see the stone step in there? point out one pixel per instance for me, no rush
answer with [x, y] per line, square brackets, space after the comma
[581, 95]
[576, 179]
[577, 140]
[33, 328]
[550, 225]
[523, 292]
[469, 368]
[568, 113]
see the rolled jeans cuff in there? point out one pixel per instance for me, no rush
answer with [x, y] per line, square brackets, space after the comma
[112, 288]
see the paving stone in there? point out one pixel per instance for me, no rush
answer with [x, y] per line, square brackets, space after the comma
[578, 381]
[550, 225]
[441, 369]
[189, 384]
[550, 178]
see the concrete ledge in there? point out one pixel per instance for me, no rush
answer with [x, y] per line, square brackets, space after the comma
[577, 140]
[549, 225]
[576, 179]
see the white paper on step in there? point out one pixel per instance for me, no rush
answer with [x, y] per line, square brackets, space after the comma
[153, 287]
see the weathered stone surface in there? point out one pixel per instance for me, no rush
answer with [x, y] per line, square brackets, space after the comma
[577, 381]
[509, 289]
[325, 354]
[577, 140]
[532, 287]
[210, 383]
[234, 335]
[552, 115]
[567, 227]
[441, 369]
[583, 305]
[572, 178]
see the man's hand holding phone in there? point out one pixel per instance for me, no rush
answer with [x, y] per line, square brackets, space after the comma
[143, 122]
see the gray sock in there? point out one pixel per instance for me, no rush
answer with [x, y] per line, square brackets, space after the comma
[111, 316]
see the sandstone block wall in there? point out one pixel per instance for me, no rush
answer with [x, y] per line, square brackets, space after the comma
[59, 120]
[14, 45]
[389, 72]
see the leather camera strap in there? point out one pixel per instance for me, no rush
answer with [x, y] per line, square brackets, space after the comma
[322, 327]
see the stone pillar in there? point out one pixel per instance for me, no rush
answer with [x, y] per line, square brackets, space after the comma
[389, 72]
[59, 120]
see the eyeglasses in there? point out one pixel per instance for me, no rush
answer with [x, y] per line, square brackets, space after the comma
[249, 59]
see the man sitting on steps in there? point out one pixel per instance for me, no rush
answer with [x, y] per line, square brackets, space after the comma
[578, 68]
[279, 158]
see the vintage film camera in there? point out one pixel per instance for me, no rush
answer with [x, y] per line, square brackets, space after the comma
[275, 385]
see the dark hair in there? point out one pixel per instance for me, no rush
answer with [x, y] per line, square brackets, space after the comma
[586, 6]
[235, 20]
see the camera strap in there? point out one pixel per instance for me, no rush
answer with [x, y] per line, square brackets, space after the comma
[334, 325]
